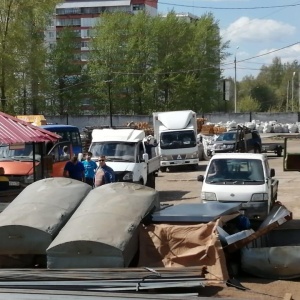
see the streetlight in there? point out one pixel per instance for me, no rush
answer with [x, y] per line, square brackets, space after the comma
[287, 96]
[235, 88]
[293, 91]
[109, 100]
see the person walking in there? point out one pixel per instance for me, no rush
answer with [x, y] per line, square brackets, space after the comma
[104, 173]
[74, 169]
[90, 168]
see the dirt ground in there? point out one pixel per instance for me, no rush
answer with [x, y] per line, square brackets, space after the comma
[181, 186]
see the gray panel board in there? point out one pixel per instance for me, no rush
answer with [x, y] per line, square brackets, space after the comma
[195, 212]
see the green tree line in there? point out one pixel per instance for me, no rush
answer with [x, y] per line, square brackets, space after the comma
[136, 64]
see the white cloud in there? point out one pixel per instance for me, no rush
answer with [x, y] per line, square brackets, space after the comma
[257, 30]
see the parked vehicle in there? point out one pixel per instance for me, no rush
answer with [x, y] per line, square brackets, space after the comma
[125, 152]
[241, 177]
[26, 163]
[241, 139]
[67, 133]
[176, 133]
[277, 148]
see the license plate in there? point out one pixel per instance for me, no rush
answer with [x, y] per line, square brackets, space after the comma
[14, 183]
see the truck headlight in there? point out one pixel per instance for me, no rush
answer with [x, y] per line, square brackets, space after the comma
[259, 197]
[193, 155]
[164, 158]
[128, 176]
[218, 146]
[208, 196]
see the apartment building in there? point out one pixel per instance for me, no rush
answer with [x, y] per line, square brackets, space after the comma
[83, 15]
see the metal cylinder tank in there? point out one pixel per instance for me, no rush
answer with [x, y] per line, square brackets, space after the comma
[103, 232]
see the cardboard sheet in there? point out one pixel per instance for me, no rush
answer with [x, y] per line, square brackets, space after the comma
[170, 245]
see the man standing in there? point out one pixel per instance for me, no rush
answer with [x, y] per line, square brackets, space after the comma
[74, 169]
[90, 168]
[104, 174]
[149, 145]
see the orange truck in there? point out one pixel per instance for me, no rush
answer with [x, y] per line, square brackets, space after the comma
[28, 162]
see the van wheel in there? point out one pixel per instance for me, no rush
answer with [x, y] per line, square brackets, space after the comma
[163, 169]
[151, 181]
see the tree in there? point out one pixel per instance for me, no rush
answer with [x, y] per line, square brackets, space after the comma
[64, 75]
[163, 63]
[22, 53]
[248, 104]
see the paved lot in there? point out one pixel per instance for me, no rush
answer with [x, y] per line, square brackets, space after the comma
[182, 187]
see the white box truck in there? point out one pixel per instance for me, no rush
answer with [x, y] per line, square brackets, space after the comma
[126, 154]
[176, 134]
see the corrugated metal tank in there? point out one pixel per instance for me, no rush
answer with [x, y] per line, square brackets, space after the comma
[29, 224]
[103, 232]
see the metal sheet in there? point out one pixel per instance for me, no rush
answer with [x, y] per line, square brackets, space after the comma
[195, 212]
[278, 216]
[34, 218]
[13, 130]
[103, 230]
[275, 255]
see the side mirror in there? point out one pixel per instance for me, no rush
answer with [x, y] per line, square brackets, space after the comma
[200, 178]
[145, 157]
[272, 172]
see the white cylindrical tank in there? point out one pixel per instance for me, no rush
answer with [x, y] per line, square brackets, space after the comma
[29, 224]
[103, 233]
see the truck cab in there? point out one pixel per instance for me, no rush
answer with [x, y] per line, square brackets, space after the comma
[25, 163]
[126, 154]
[176, 133]
[242, 178]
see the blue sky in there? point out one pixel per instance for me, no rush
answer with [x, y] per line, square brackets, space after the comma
[251, 28]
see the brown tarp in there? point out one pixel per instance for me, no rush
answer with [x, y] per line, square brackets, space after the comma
[171, 245]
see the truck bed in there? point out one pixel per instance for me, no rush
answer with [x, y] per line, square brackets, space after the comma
[275, 147]
[153, 164]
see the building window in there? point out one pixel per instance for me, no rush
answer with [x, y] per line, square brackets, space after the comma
[68, 22]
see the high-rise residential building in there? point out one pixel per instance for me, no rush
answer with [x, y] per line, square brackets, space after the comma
[84, 14]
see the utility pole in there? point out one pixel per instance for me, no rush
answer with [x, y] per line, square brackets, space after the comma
[235, 84]
[293, 91]
[109, 101]
[287, 96]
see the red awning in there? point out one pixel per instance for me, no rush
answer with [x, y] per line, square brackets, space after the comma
[13, 130]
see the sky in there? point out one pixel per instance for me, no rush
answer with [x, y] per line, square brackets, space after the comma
[257, 30]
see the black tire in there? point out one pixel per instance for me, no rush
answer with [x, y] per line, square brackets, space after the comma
[279, 151]
[151, 181]
[163, 169]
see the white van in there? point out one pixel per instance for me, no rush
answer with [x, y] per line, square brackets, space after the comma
[241, 177]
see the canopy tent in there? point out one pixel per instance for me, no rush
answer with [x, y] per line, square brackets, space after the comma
[13, 130]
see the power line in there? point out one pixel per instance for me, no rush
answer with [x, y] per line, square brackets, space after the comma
[231, 8]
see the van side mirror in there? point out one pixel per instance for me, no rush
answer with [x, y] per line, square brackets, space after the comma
[200, 178]
[272, 172]
[145, 157]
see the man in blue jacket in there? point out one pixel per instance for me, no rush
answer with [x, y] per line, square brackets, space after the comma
[104, 174]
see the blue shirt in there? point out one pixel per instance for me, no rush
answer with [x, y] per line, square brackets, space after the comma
[75, 171]
[90, 168]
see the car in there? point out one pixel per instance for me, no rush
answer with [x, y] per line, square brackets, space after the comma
[241, 139]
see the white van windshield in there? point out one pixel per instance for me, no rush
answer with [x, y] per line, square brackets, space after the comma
[237, 171]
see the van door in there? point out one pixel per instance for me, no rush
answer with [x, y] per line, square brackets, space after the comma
[60, 158]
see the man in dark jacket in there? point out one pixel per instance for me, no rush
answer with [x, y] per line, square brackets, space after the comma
[104, 173]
